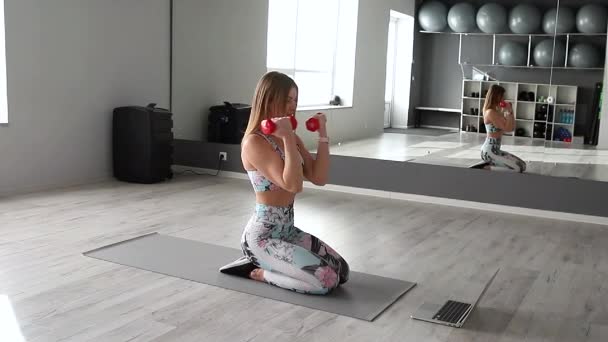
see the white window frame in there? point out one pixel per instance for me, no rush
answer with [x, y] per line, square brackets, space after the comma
[292, 71]
[3, 80]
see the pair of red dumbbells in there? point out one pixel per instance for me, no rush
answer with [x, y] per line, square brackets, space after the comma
[268, 126]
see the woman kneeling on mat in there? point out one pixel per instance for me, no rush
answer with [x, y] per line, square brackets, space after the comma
[277, 164]
[498, 117]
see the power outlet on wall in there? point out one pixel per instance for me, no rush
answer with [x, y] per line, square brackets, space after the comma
[223, 156]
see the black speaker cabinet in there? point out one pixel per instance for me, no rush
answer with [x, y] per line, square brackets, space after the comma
[227, 123]
[142, 144]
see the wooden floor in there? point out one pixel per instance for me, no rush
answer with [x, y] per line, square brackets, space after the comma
[553, 284]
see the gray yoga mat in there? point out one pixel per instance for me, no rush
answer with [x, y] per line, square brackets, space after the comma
[364, 296]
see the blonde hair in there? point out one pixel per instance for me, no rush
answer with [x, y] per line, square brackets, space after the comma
[271, 94]
[495, 93]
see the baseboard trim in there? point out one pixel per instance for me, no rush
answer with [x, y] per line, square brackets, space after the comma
[546, 214]
[455, 129]
[425, 126]
[210, 172]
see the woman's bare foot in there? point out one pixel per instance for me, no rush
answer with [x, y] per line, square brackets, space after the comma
[257, 274]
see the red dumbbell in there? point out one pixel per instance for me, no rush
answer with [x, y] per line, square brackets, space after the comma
[313, 124]
[268, 126]
[294, 122]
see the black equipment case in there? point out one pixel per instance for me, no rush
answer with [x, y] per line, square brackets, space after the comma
[142, 144]
[227, 123]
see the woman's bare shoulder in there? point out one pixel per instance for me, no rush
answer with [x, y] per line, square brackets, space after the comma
[252, 141]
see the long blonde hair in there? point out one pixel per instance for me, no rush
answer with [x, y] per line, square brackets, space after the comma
[495, 93]
[271, 94]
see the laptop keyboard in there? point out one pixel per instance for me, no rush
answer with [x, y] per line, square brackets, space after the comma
[451, 311]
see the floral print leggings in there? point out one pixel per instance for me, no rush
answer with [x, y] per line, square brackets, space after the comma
[291, 259]
[491, 153]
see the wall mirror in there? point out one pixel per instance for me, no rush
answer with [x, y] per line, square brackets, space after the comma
[407, 80]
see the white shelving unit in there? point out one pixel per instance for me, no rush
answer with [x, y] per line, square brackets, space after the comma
[532, 116]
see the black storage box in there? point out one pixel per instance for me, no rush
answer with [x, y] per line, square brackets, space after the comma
[142, 144]
[227, 123]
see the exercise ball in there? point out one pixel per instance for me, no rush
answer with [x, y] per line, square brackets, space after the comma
[461, 17]
[565, 23]
[592, 19]
[543, 53]
[512, 53]
[524, 19]
[584, 56]
[433, 16]
[492, 18]
[520, 132]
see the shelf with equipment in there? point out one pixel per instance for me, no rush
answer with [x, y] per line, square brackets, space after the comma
[568, 39]
[542, 111]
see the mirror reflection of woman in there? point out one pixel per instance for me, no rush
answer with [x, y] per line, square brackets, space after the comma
[498, 118]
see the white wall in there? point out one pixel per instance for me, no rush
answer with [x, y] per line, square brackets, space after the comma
[220, 53]
[69, 63]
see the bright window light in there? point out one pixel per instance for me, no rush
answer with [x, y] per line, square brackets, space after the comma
[313, 41]
[9, 328]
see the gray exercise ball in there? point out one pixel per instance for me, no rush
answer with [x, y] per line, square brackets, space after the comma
[461, 18]
[584, 56]
[524, 19]
[543, 53]
[592, 19]
[433, 16]
[565, 23]
[492, 18]
[512, 53]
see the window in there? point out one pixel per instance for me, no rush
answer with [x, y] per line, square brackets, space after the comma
[313, 41]
[3, 94]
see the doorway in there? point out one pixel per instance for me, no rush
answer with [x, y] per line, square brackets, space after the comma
[399, 57]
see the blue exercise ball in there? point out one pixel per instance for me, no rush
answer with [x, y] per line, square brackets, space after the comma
[543, 53]
[433, 16]
[524, 19]
[512, 53]
[461, 18]
[584, 56]
[565, 23]
[492, 18]
[592, 19]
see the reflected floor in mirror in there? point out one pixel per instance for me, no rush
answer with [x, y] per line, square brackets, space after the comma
[462, 149]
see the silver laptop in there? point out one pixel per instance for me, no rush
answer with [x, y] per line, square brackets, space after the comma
[453, 313]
